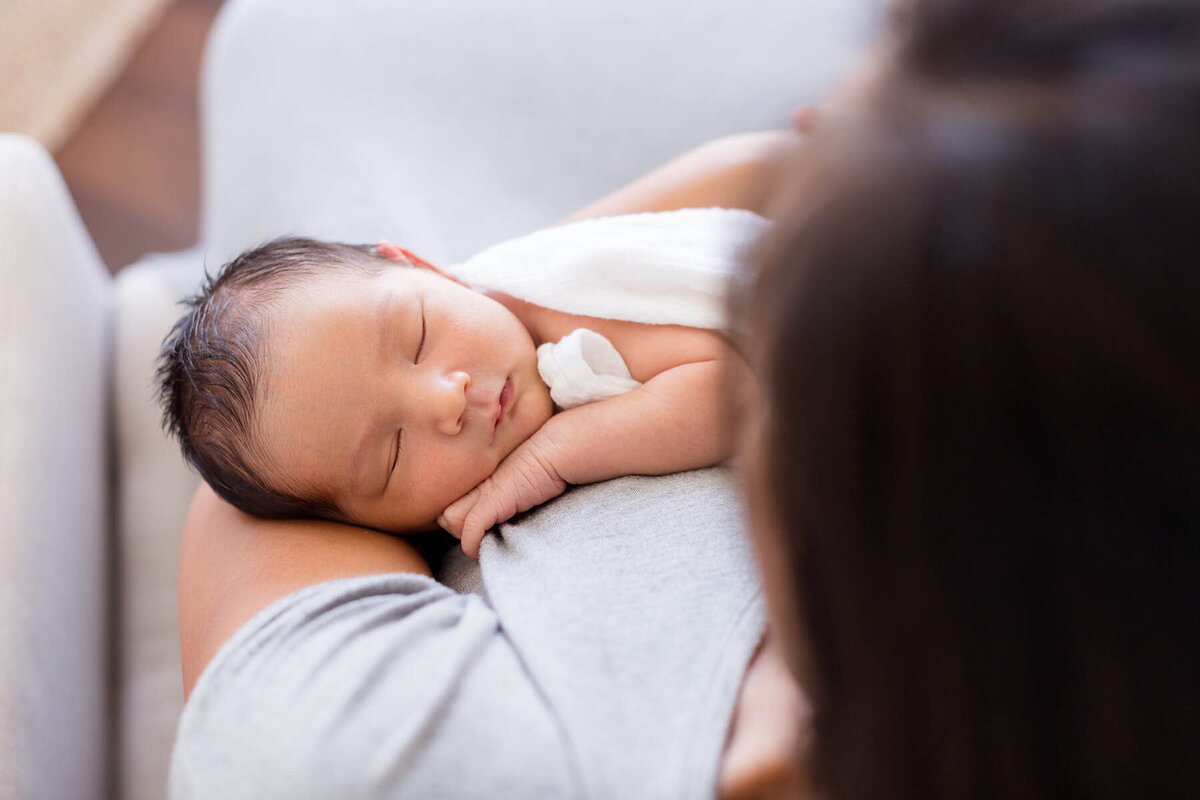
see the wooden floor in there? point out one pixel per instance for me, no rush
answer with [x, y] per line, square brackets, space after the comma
[133, 167]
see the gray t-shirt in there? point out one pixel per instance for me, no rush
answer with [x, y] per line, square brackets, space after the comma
[604, 662]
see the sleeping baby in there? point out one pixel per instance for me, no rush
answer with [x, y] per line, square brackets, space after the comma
[362, 384]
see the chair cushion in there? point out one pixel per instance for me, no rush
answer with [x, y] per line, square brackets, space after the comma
[54, 362]
[153, 494]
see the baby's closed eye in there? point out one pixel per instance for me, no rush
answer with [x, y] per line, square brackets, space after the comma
[421, 340]
[396, 453]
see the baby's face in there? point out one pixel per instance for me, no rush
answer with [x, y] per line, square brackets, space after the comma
[394, 395]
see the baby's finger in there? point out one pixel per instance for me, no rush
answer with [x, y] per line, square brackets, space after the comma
[445, 525]
[455, 514]
[476, 526]
[451, 521]
[460, 507]
[471, 539]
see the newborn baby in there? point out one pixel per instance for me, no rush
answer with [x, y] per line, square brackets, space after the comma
[364, 385]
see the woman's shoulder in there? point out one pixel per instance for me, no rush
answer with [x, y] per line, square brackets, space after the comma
[361, 686]
[233, 565]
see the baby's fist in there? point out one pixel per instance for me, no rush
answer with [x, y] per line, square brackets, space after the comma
[523, 480]
[455, 514]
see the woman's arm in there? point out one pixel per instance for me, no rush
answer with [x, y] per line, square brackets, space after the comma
[233, 565]
[738, 171]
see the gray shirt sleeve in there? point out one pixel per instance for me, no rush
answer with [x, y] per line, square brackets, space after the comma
[383, 686]
[605, 663]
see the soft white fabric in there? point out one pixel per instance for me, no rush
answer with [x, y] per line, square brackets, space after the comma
[667, 268]
[583, 367]
[54, 429]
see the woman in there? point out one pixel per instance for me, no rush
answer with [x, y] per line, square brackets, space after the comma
[975, 485]
[621, 632]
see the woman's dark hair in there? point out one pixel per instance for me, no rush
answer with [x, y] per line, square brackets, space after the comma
[978, 333]
[210, 370]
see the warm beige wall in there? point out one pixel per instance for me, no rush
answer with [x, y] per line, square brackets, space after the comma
[58, 56]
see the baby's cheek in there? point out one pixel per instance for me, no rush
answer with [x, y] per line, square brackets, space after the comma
[452, 475]
[532, 413]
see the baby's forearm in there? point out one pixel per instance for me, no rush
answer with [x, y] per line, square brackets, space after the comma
[675, 421]
[678, 420]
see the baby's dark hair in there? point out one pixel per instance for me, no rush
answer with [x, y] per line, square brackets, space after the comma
[210, 370]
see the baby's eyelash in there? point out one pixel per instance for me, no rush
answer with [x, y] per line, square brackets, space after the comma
[421, 344]
[399, 444]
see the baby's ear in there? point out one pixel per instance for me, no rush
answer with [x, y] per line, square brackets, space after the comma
[391, 251]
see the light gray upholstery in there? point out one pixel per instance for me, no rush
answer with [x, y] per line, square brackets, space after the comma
[454, 125]
[443, 126]
[54, 480]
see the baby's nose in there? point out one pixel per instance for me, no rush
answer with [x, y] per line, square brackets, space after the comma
[451, 402]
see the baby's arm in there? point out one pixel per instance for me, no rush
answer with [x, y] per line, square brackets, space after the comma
[675, 421]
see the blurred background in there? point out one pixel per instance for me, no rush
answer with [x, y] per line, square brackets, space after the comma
[110, 88]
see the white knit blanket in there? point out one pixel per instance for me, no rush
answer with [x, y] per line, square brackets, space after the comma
[666, 268]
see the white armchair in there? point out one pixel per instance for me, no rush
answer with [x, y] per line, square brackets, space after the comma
[445, 126]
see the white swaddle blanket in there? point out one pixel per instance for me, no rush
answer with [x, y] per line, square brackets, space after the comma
[665, 268]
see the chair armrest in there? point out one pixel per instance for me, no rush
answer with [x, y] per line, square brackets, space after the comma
[54, 504]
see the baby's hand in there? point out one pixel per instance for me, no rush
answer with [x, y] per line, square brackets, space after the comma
[523, 480]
